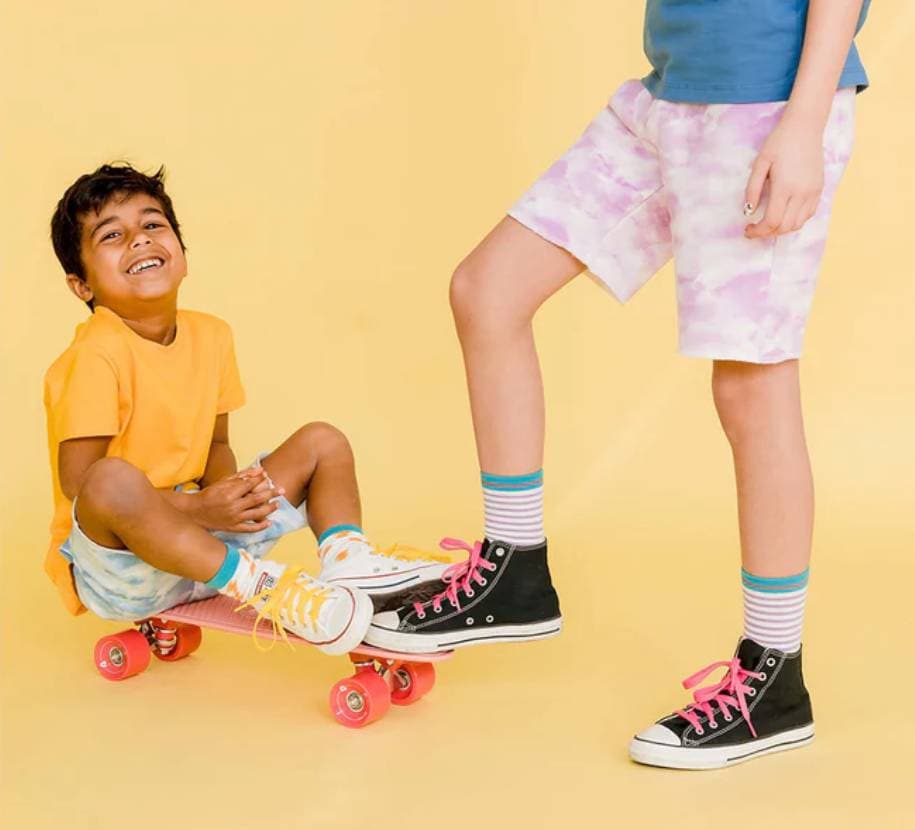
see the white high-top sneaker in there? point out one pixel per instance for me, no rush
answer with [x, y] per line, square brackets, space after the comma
[332, 617]
[348, 558]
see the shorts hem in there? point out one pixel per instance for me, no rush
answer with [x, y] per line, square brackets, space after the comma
[736, 357]
[598, 275]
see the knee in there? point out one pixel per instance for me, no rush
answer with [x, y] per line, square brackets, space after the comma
[736, 390]
[746, 396]
[111, 485]
[321, 439]
[477, 302]
[464, 294]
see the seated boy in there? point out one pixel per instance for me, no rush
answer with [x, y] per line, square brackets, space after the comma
[150, 510]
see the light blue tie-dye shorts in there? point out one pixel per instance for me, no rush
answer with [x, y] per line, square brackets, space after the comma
[117, 585]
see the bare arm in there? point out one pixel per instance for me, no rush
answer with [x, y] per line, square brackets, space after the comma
[221, 460]
[792, 157]
[830, 30]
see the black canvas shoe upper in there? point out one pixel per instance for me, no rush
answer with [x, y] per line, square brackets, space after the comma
[501, 585]
[768, 682]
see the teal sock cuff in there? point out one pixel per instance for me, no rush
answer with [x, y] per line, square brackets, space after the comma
[226, 571]
[337, 529]
[775, 584]
[528, 481]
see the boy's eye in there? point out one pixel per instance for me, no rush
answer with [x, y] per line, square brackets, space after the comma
[153, 224]
[110, 235]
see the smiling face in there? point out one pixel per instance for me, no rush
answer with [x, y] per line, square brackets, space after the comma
[132, 257]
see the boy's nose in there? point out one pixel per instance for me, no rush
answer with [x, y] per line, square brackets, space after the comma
[139, 239]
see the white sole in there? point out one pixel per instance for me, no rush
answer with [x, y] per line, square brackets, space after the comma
[354, 633]
[682, 757]
[413, 643]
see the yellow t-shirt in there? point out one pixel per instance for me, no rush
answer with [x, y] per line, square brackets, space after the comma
[159, 404]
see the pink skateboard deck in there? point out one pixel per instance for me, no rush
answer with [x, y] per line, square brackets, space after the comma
[382, 677]
[219, 614]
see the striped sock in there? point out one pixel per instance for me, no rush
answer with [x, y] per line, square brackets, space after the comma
[513, 507]
[773, 609]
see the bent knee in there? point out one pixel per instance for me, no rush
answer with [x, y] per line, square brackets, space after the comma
[481, 298]
[321, 438]
[111, 484]
[464, 291]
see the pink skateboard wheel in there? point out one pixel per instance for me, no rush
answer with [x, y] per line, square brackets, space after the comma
[360, 700]
[411, 681]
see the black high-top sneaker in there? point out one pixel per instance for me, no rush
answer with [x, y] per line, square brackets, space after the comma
[760, 706]
[501, 593]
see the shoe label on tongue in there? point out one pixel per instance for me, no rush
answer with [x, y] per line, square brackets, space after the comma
[266, 581]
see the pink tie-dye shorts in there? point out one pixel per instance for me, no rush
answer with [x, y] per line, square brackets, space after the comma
[652, 179]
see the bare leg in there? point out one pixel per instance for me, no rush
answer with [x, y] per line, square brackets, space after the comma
[495, 293]
[760, 411]
[316, 462]
[118, 507]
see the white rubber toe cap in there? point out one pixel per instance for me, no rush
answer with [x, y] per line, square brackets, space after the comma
[387, 619]
[658, 734]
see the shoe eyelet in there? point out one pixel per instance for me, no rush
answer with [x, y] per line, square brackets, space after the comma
[751, 692]
[763, 677]
[483, 580]
[713, 724]
[437, 610]
[469, 593]
[421, 616]
[728, 718]
[489, 618]
[469, 621]
[770, 662]
[700, 731]
[500, 551]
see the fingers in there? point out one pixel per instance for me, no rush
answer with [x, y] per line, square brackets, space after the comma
[248, 527]
[791, 219]
[258, 497]
[775, 212]
[758, 176]
[255, 518]
[809, 210]
[247, 481]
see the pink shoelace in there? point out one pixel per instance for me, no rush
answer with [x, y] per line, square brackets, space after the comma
[461, 576]
[730, 692]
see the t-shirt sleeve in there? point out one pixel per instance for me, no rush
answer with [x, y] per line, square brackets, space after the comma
[84, 400]
[231, 392]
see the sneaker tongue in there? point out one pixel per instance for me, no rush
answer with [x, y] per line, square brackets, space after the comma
[749, 653]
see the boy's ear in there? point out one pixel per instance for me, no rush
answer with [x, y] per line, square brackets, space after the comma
[79, 287]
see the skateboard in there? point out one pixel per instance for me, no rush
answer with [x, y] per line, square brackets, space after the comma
[381, 677]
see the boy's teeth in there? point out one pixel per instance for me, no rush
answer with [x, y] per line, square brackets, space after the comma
[146, 263]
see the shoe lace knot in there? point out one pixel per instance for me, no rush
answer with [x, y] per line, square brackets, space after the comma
[295, 599]
[729, 693]
[460, 577]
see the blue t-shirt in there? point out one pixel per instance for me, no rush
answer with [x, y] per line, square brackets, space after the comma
[731, 51]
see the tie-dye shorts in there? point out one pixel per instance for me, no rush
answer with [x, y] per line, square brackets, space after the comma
[651, 179]
[117, 585]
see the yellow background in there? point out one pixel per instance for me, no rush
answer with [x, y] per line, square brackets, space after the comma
[331, 162]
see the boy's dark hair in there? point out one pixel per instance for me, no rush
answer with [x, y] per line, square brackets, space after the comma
[89, 194]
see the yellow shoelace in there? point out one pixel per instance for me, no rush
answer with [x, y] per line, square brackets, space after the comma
[409, 554]
[281, 598]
